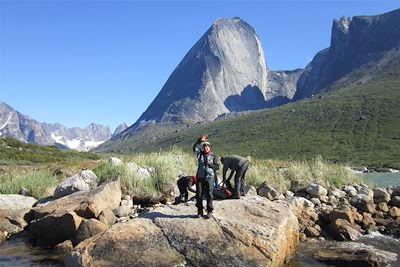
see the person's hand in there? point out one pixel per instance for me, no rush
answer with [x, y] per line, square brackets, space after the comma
[209, 162]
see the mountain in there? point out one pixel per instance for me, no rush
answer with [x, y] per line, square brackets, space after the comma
[122, 127]
[226, 64]
[23, 128]
[357, 125]
[360, 48]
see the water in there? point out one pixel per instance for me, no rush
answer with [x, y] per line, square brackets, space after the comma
[18, 251]
[303, 257]
[383, 179]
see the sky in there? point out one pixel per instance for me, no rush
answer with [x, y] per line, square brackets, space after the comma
[81, 61]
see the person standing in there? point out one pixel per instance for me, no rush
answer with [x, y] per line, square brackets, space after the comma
[198, 146]
[238, 165]
[205, 175]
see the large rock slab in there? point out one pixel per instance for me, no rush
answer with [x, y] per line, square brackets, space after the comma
[252, 231]
[58, 220]
[12, 211]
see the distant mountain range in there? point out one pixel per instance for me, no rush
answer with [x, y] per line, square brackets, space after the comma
[23, 128]
[225, 72]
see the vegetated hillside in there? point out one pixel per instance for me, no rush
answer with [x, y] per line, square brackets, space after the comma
[359, 125]
[15, 152]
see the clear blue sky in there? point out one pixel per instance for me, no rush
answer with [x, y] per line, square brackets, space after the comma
[77, 62]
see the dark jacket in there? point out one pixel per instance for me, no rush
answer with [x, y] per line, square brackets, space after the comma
[204, 170]
[233, 162]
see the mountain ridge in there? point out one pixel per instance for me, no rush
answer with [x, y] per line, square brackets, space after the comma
[24, 128]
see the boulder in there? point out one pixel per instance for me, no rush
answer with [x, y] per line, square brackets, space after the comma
[363, 203]
[12, 212]
[382, 207]
[56, 221]
[395, 201]
[298, 204]
[337, 193]
[138, 172]
[350, 190]
[316, 190]
[354, 254]
[341, 213]
[342, 230]
[83, 181]
[252, 231]
[107, 217]
[113, 161]
[268, 192]
[394, 212]
[381, 195]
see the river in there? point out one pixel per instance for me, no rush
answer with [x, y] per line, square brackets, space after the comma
[382, 179]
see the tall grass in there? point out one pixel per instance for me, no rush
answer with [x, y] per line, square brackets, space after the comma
[291, 175]
[165, 168]
[40, 183]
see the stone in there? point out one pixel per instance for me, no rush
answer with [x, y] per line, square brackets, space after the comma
[363, 203]
[298, 204]
[89, 228]
[317, 190]
[315, 201]
[137, 171]
[381, 195]
[332, 200]
[289, 194]
[342, 230]
[64, 247]
[382, 207]
[107, 217]
[312, 232]
[13, 209]
[25, 192]
[268, 192]
[250, 190]
[324, 199]
[265, 234]
[122, 211]
[83, 181]
[56, 221]
[350, 190]
[394, 212]
[364, 190]
[395, 201]
[337, 193]
[3, 236]
[367, 221]
[341, 213]
[354, 254]
[113, 161]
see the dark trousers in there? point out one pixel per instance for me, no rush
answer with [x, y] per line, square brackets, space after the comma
[183, 192]
[239, 178]
[204, 188]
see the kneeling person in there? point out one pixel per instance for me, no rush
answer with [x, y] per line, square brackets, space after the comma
[185, 183]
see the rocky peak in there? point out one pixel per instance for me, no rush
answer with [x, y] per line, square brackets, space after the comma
[225, 61]
[122, 127]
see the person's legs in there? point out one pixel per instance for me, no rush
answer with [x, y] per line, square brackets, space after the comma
[199, 195]
[242, 178]
[209, 193]
[236, 193]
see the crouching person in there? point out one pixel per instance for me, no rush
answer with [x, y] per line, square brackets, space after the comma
[185, 183]
[208, 165]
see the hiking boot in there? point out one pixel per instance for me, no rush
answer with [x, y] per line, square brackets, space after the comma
[209, 215]
[199, 213]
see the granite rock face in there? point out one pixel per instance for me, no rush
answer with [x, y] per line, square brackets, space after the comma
[252, 231]
[360, 47]
[226, 64]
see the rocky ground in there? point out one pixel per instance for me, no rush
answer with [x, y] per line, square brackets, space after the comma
[97, 225]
